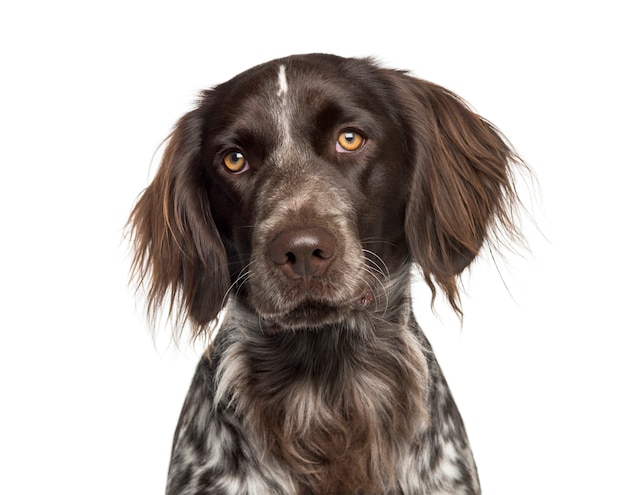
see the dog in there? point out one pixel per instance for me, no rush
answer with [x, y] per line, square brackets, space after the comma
[296, 198]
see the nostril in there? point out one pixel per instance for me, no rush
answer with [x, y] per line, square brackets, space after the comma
[303, 253]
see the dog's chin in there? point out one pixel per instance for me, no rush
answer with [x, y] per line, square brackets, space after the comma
[313, 315]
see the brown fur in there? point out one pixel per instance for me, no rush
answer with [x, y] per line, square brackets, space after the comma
[176, 243]
[463, 187]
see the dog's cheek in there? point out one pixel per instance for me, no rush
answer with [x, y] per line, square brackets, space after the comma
[230, 219]
[383, 193]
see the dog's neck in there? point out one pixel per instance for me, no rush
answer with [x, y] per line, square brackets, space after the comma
[333, 402]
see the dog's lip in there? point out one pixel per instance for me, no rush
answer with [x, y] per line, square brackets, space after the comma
[317, 313]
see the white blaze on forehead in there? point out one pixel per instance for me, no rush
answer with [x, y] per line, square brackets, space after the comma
[282, 81]
[283, 114]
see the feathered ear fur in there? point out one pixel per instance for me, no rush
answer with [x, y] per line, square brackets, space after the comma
[178, 253]
[462, 191]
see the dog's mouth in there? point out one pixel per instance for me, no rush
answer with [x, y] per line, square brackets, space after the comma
[317, 314]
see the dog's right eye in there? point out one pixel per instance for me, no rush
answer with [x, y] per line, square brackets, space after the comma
[235, 162]
[349, 142]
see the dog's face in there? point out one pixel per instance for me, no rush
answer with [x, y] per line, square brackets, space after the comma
[307, 169]
[305, 186]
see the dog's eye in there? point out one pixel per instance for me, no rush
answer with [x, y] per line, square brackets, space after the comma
[349, 141]
[235, 162]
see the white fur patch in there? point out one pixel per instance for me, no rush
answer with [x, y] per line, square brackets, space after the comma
[282, 112]
[282, 81]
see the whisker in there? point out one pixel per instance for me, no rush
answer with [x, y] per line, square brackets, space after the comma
[377, 240]
[384, 272]
[372, 268]
[242, 277]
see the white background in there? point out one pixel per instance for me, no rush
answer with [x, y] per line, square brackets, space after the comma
[89, 400]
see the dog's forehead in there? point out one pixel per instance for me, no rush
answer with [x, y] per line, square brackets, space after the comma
[292, 104]
[303, 80]
[299, 81]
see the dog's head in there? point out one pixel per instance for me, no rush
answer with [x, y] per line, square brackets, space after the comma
[305, 186]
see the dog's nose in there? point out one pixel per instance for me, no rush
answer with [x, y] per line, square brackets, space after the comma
[303, 253]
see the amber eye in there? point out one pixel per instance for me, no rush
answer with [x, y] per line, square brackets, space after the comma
[235, 162]
[349, 141]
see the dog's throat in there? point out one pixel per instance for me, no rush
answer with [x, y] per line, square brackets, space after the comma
[321, 408]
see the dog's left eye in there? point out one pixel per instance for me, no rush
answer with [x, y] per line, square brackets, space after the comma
[235, 162]
[349, 141]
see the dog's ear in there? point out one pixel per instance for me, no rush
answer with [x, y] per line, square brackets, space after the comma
[178, 253]
[462, 191]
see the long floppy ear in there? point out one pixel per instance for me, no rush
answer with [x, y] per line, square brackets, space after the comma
[178, 253]
[462, 191]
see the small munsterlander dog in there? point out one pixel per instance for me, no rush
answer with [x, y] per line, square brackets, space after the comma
[297, 196]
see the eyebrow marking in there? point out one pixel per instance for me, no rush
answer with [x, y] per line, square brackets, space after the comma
[282, 81]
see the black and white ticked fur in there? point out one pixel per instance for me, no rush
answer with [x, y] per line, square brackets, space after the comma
[299, 194]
